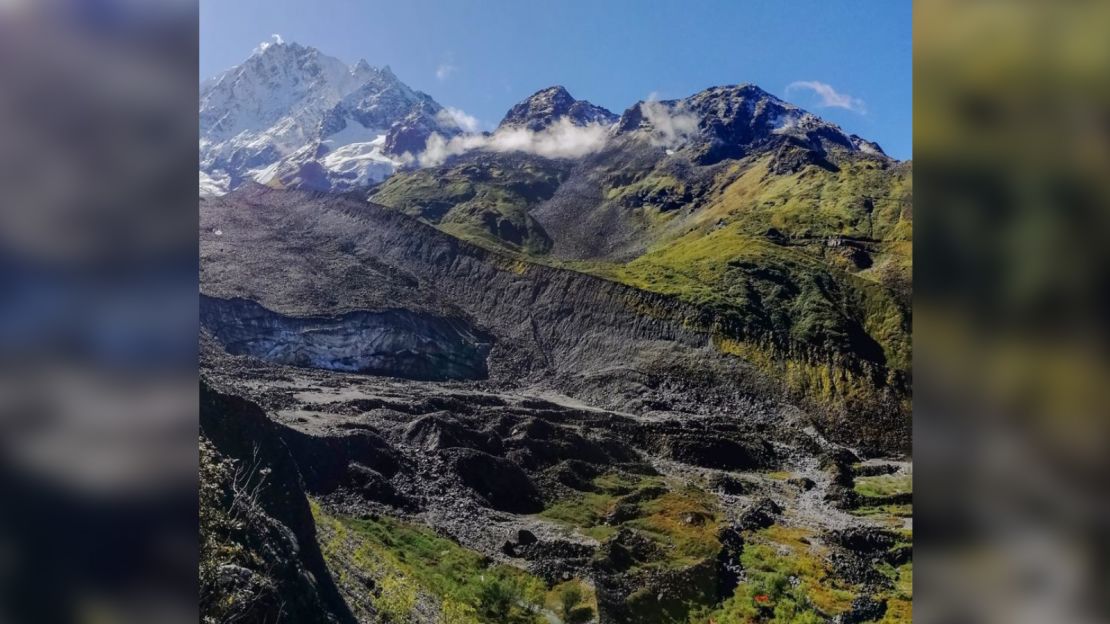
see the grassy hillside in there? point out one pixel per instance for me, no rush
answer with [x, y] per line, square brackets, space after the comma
[808, 265]
[485, 200]
[420, 576]
[813, 272]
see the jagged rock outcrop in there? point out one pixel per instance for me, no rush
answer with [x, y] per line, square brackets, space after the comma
[730, 122]
[548, 106]
[278, 571]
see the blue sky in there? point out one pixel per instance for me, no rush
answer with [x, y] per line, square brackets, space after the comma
[849, 62]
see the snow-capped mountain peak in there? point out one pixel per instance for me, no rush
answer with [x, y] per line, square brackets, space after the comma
[288, 105]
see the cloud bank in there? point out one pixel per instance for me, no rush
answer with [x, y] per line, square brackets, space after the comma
[670, 126]
[829, 97]
[458, 117]
[562, 139]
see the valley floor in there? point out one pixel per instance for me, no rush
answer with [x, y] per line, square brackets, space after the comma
[458, 502]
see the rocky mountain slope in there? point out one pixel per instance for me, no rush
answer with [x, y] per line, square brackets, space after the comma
[548, 106]
[291, 115]
[462, 502]
[541, 326]
[796, 233]
[662, 375]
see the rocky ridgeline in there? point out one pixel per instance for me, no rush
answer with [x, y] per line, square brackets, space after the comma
[548, 106]
[291, 115]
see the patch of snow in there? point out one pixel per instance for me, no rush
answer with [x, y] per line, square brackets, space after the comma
[213, 185]
[265, 175]
[364, 163]
[271, 114]
[354, 132]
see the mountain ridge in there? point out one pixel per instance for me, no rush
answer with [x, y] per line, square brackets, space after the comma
[290, 113]
[731, 198]
[545, 107]
[292, 116]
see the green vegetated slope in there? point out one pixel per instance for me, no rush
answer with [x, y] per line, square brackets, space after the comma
[679, 521]
[806, 265]
[811, 272]
[395, 571]
[789, 579]
[667, 538]
[483, 200]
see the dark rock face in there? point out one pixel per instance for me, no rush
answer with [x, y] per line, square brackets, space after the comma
[868, 540]
[873, 470]
[734, 121]
[864, 609]
[710, 444]
[729, 567]
[900, 554]
[434, 432]
[713, 452]
[556, 561]
[410, 133]
[727, 484]
[501, 483]
[843, 497]
[374, 486]
[804, 484]
[536, 444]
[861, 549]
[341, 459]
[548, 106]
[839, 464]
[793, 155]
[397, 343]
[857, 569]
[626, 549]
[292, 581]
[760, 515]
[576, 475]
[308, 175]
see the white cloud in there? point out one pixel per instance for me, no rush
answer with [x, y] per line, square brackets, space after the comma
[562, 139]
[671, 126]
[458, 117]
[829, 97]
[275, 39]
[444, 70]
